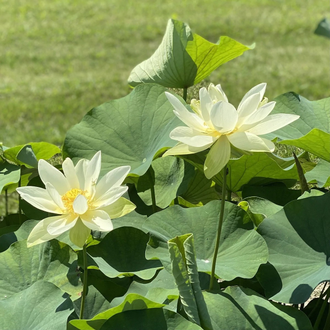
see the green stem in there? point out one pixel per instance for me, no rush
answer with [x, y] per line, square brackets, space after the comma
[6, 207]
[153, 199]
[216, 248]
[327, 322]
[318, 301]
[20, 220]
[152, 192]
[185, 92]
[229, 195]
[324, 305]
[83, 297]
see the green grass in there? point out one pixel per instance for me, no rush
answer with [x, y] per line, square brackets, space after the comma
[60, 58]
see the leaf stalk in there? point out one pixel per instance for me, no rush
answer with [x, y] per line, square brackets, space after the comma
[83, 297]
[222, 210]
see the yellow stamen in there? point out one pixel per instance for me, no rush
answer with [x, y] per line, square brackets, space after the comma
[70, 196]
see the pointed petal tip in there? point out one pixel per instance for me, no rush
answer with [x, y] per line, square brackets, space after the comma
[97, 156]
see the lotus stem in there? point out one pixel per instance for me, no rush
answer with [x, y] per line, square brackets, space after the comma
[6, 206]
[229, 195]
[319, 316]
[222, 211]
[185, 92]
[152, 192]
[83, 296]
[20, 220]
[327, 322]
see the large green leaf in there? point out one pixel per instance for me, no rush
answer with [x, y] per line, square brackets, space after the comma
[109, 288]
[184, 58]
[135, 312]
[168, 175]
[156, 318]
[241, 249]
[257, 169]
[95, 303]
[316, 141]
[128, 131]
[277, 192]
[323, 28]
[40, 306]
[122, 252]
[199, 190]
[312, 130]
[238, 308]
[29, 154]
[161, 289]
[320, 174]
[9, 174]
[262, 206]
[185, 272]
[53, 261]
[20, 234]
[298, 238]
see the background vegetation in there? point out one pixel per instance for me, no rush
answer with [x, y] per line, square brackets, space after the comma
[60, 58]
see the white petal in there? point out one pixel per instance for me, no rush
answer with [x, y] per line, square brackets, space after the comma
[110, 197]
[61, 224]
[191, 137]
[53, 193]
[222, 93]
[97, 220]
[205, 104]
[189, 118]
[80, 169]
[260, 114]
[195, 105]
[49, 173]
[79, 233]
[70, 173]
[111, 180]
[247, 108]
[39, 233]
[80, 204]
[250, 142]
[39, 198]
[224, 117]
[273, 123]
[217, 157]
[119, 208]
[259, 89]
[216, 93]
[93, 171]
[184, 149]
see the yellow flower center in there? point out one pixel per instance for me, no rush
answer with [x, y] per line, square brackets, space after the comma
[213, 132]
[70, 196]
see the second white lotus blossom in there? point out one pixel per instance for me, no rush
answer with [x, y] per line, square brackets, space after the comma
[83, 202]
[216, 124]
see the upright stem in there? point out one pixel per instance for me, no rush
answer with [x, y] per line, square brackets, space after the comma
[19, 203]
[327, 322]
[83, 296]
[152, 192]
[6, 201]
[322, 294]
[153, 199]
[6, 207]
[229, 195]
[324, 305]
[185, 91]
[216, 248]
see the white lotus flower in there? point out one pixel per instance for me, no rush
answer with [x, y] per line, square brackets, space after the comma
[83, 202]
[216, 124]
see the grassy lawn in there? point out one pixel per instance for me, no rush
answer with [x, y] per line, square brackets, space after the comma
[60, 58]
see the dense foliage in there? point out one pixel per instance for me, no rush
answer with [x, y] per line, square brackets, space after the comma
[153, 270]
